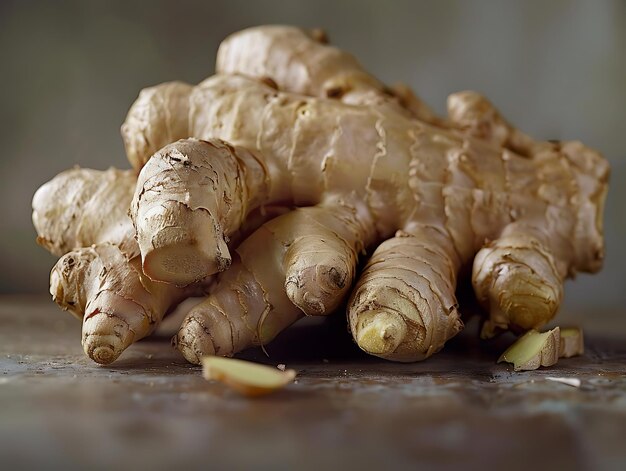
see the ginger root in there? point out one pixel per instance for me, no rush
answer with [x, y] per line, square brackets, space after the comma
[82, 215]
[373, 174]
[116, 302]
[426, 197]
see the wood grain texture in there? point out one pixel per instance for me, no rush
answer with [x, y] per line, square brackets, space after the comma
[152, 410]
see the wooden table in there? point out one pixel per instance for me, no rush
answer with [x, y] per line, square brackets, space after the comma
[151, 410]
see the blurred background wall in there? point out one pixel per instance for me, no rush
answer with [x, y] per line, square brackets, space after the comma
[71, 69]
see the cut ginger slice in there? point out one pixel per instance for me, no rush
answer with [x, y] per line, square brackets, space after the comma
[247, 378]
[534, 349]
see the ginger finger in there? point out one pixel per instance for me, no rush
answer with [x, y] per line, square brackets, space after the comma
[324, 245]
[190, 198]
[117, 303]
[302, 61]
[247, 307]
[403, 307]
[295, 60]
[270, 284]
[517, 280]
[168, 104]
[475, 115]
[81, 207]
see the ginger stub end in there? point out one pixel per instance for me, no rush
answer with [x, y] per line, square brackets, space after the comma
[247, 378]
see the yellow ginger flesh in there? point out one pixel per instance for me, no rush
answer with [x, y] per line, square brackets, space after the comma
[534, 349]
[247, 378]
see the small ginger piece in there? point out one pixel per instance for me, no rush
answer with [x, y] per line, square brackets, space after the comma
[533, 349]
[247, 378]
[571, 343]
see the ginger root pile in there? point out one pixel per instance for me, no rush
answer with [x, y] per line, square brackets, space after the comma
[354, 171]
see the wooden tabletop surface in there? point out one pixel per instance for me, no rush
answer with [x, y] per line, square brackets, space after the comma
[151, 410]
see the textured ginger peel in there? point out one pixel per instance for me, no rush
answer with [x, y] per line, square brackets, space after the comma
[444, 191]
[291, 121]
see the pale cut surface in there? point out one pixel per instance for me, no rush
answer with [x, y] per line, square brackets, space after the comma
[572, 342]
[247, 378]
[533, 349]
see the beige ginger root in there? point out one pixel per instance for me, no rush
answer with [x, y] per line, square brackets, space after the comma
[116, 302]
[81, 214]
[373, 171]
[302, 62]
[447, 191]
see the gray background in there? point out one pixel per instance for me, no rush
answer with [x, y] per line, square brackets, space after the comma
[70, 70]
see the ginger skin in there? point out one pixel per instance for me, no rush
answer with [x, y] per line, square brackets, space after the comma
[302, 62]
[117, 304]
[182, 230]
[81, 207]
[81, 214]
[447, 193]
[292, 121]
